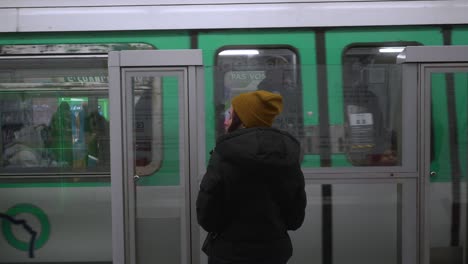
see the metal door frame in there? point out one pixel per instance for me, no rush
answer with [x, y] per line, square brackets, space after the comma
[419, 62]
[190, 63]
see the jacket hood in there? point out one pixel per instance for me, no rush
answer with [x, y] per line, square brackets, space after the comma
[267, 146]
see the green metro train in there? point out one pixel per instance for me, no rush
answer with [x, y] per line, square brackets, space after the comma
[342, 88]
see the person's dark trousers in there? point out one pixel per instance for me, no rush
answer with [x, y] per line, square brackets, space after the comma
[214, 260]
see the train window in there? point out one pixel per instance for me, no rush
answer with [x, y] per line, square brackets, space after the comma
[372, 105]
[244, 69]
[54, 115]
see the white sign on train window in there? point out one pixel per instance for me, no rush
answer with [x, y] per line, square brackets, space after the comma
[361, 119]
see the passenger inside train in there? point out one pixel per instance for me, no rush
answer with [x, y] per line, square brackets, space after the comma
[71, 139]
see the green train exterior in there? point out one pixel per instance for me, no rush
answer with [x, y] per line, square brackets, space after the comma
[318, 70]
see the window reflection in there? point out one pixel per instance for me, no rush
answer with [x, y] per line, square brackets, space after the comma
[241, 70]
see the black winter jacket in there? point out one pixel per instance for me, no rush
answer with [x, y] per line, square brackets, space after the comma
[252, 193]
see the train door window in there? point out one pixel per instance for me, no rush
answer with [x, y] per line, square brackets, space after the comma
[148, 123]
[372, 97]
[244, 69]
[54, 115]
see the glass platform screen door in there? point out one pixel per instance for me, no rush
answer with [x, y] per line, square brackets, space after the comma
[441, 74]
[155, 97]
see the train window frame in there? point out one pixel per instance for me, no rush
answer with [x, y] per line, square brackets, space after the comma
[77, 54]
[265, 50]
[389, 162]
[60, 90]
[69, 49]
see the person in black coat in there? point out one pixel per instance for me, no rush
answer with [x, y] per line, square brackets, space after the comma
[253, 191]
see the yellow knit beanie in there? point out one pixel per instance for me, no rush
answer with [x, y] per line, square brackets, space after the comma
[257, 109]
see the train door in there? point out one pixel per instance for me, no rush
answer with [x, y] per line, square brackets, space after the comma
[442, 73]
[154, 135]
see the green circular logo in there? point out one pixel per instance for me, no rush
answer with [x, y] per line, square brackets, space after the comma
[28, 209]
